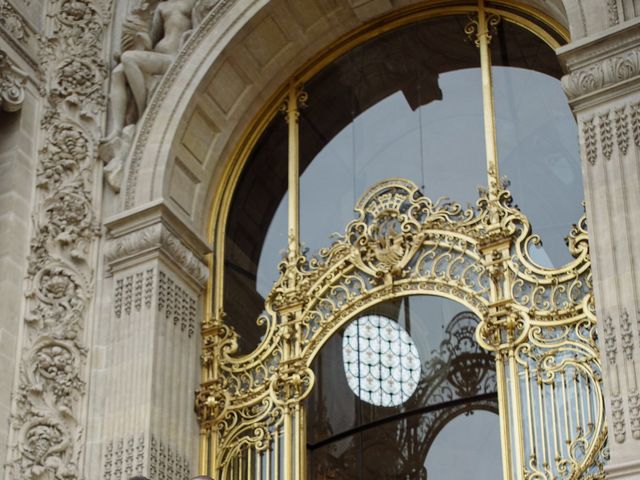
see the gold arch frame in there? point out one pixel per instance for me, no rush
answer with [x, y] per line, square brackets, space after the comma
[555, 36]
[538, 322]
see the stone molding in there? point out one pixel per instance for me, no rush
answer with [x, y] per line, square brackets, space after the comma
[623, 471]
[20, 34]
[602, 67]
[154, 229]
[12, 81]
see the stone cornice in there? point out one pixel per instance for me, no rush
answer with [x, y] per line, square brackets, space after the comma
[622, 471]
[20, 34]
[12, 81]
[603, 66]
[138, 235]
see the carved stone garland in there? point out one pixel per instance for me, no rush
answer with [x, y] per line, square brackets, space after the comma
[46, 423]
[539, 324]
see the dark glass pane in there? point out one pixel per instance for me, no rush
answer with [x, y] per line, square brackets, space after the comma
[537, 139]
[260, 190]
[347, 431]
[406, 104]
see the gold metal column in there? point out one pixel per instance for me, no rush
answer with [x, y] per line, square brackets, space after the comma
[496, 254]
[485, 24]
[288, 383]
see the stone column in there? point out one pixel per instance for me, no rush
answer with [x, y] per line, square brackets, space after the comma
[603, 85]
[19, 127]
[143, 420]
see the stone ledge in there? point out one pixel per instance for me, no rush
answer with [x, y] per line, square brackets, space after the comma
[602, 67]
[623, 471]
[137, 235]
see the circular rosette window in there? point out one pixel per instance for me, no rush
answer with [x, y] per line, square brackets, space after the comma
[381, 361]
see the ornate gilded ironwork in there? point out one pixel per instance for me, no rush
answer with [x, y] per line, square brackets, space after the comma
[538, 324]
[458, 378]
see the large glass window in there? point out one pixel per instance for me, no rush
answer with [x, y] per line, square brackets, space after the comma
[402, 383]
[406, 104]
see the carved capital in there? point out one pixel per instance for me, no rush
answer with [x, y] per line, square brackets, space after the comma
[603, 67]
[152, 231]
[12, 81]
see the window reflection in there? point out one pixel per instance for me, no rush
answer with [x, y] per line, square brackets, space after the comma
[406, 104]
[381, 361]
[537, 139]
[351, 438]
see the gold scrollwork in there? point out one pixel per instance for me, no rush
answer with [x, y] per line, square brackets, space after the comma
[538, 322]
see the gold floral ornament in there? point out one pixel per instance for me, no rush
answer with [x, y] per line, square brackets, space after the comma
[537, 323]
[291, 384]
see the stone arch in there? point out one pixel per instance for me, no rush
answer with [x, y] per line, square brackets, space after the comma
[232, 66]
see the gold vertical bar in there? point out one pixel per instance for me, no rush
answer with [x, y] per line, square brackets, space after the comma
[503, 405]
[589, 409]
[294, 172]
[212, 449]
[547, 421]
[259, 456]
[267, 462]
[491, 144]
[287, 468]
[302, 441]
[532, 433]
[203, 459]
[567, 415]
[296, 442]
[581, 408]
[576, 399]
[543, 426]
[516, 408]
[555, 419]
[276, 457]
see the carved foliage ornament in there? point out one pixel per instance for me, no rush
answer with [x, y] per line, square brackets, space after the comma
[602, 74]
[158, 236]
[45, 432]
[601, 133]
[12, 81]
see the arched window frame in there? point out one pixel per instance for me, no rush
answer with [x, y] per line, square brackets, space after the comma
[287, 375]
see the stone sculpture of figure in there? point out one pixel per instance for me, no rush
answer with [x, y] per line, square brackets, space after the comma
[147, 54]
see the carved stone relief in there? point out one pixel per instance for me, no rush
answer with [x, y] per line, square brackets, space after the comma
[622, 375]
[610, 66]
[46, 420]
[207, 13]
[126, 458]
[177, 304]
[158, 236]
[20, 34]
[133, 291]
[12, 81]
[600, 135]
[152, 35]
